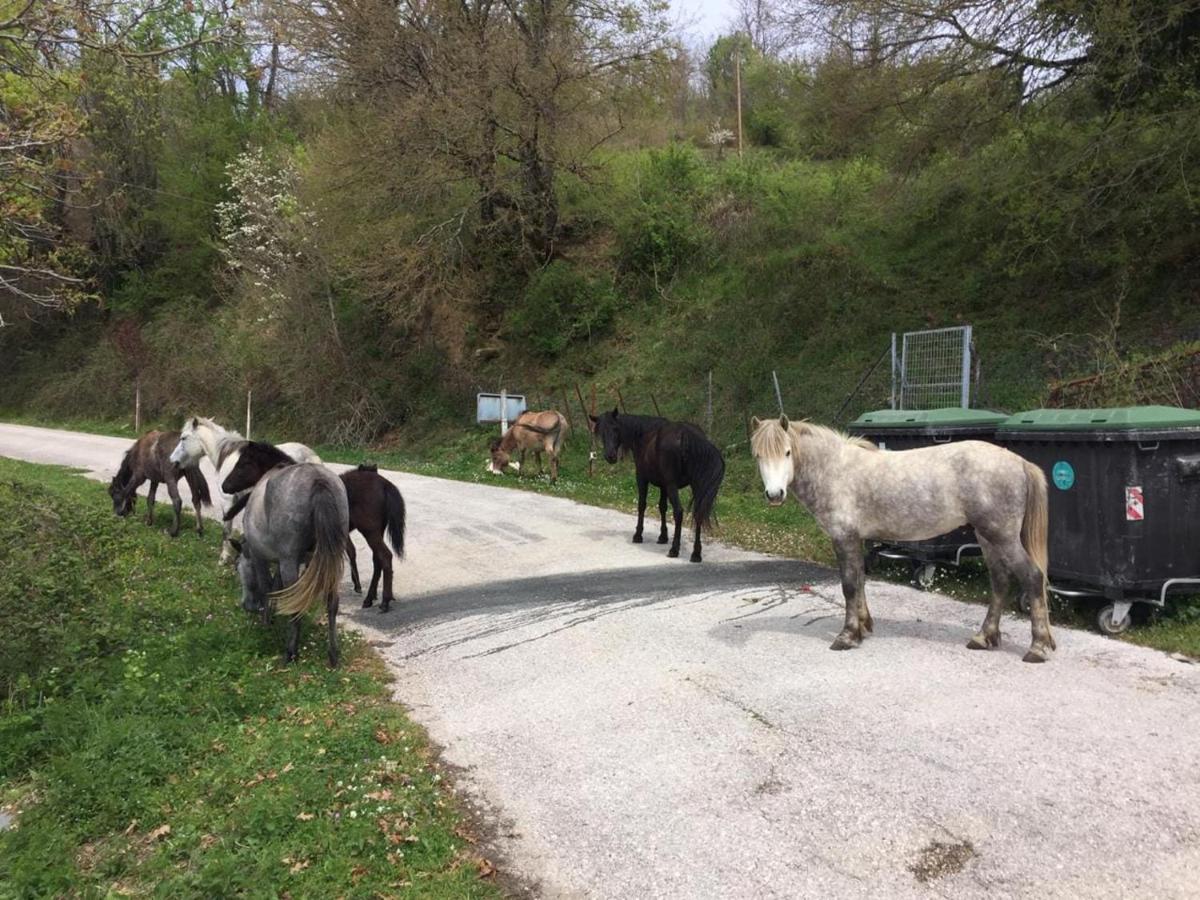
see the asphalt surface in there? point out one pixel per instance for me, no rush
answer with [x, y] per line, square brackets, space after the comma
[635, 726]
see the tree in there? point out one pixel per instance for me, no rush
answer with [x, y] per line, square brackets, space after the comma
[48, 48]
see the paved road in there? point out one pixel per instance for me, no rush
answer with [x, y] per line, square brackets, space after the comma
[644, 727]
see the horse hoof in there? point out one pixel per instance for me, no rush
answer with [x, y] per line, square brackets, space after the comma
[663, 539]
[844, 642]
[695, 557]
[673, 553]
[983, 641]
[368, 603]
[387, 607]
[1035, 656]
[637, 538]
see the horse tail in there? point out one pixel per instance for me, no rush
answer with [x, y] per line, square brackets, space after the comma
[705, 468]
[394, 504]
[323, 575]
[1034, 526]
[561, 434]
[198, 485]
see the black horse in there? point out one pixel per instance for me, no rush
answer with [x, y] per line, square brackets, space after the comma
[670, 456]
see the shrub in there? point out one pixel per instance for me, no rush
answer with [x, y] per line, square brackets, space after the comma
[562, 305]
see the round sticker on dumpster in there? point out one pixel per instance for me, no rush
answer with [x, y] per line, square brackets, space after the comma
[1063, 475]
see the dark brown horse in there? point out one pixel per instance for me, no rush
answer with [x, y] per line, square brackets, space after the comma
[669, 455]
[149, 460]
[375, 506]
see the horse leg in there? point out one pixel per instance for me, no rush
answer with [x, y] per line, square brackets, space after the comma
[696, 556]
[289, 572]
[176, 506]
[150, 502]
[988, 635]
[662, 516]
[553, 467]
[1032, 583]
[262, 587]
[538, 454]
[196, 506]
[521, 464]
[331, 611]
[851, 564]
[226, 534]
[677, 509]
[382, 560]
[643, 486]
[352, 556]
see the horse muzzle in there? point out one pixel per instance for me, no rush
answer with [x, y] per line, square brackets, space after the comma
[775, 499]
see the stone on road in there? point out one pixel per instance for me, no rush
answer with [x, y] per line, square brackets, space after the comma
[645, 727]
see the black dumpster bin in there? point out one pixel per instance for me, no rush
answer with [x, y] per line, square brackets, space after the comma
[908, 429]
[1124, 501]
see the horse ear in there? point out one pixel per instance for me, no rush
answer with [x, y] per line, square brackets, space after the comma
[195, 422]
[614, 412]
[755, 423]
[783, 422]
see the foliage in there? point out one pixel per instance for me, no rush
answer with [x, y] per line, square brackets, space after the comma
[562, 305]
[152, 740]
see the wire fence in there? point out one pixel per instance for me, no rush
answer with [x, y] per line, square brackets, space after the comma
[933, 369]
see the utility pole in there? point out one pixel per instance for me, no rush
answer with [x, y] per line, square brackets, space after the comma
[737, 81]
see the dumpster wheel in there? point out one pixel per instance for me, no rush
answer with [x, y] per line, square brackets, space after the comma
[923, 574]
[1106, 623]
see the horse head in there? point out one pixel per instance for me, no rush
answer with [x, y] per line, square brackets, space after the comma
[608, 429]
[190, 448]
[254, 461]
[771, 444]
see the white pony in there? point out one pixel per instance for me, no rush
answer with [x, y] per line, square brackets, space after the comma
[202, 437]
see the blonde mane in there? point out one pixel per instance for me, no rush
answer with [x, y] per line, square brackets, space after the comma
[771, 439]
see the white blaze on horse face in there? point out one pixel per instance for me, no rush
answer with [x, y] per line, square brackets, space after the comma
[776, 476]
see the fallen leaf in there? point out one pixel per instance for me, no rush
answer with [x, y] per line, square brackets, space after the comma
[286, 769]
[357, 873]
[379, 795]
[305, 817]
[131, 828]
[299, 866]
[207, 841]
[486, 869]
[159, 833]
[382, 736]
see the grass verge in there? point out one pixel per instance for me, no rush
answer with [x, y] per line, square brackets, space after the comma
[152, 741]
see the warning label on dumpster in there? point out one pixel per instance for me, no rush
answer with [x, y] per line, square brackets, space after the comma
[1135, 504]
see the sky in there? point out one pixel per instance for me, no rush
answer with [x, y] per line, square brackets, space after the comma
[710, 17]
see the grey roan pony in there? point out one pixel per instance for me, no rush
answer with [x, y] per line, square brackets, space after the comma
[296, 513]
[857, 492]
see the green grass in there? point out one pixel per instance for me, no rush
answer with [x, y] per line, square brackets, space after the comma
[152, 740]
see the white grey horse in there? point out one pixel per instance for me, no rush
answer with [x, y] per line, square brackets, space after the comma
[857, 492]
[295, 514]
[202, 437]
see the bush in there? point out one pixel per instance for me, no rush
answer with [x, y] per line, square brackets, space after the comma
[562, 305]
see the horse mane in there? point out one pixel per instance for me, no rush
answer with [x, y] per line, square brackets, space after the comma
[633, 426]
[772, 439]
[124, 473]
[268, 456]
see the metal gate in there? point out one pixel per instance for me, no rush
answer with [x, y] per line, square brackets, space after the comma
[932, 369]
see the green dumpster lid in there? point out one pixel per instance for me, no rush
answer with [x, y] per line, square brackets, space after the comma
[1122, 418]
[949, 417]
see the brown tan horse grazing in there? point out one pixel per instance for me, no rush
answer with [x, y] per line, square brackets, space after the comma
[149, 460]
[541, 432]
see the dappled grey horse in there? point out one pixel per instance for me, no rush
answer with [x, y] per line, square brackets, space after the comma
[857, 491]
[295, 514]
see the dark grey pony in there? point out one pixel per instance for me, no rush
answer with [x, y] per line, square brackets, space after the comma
[296, 513]
[857, 492]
